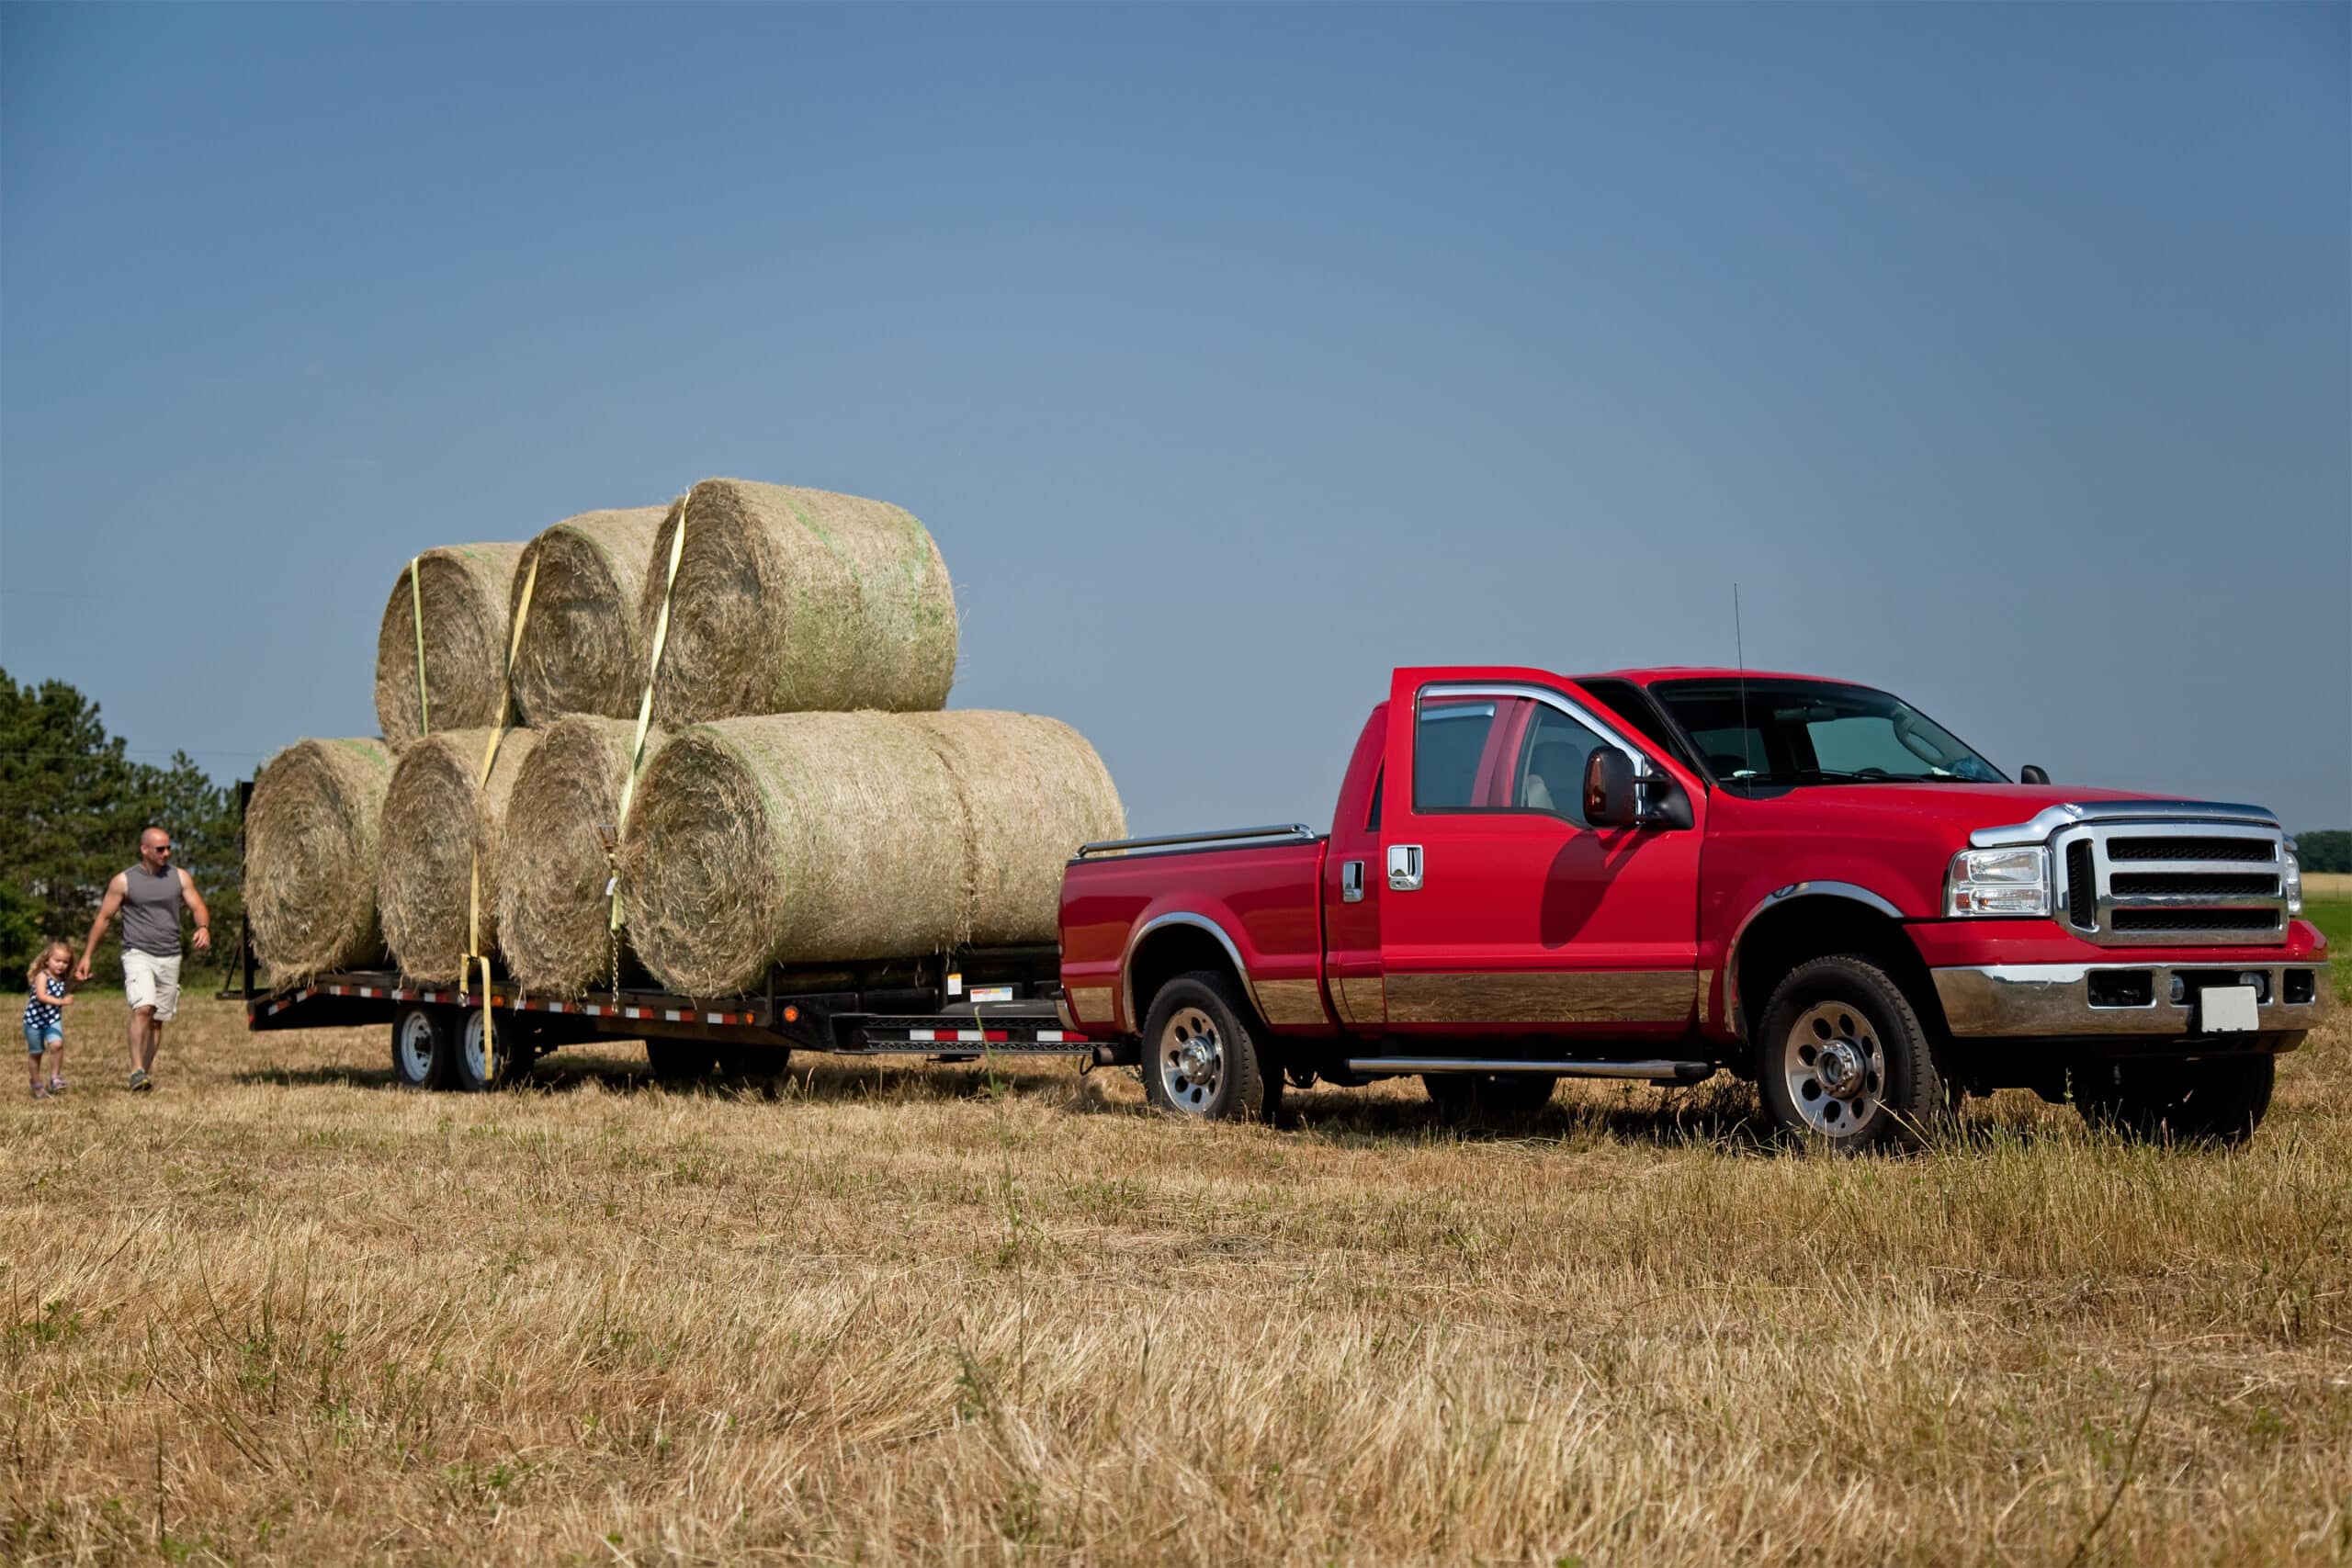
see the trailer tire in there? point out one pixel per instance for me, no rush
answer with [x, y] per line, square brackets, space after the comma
[466, 1052]
[677, 1063]
[1493, 1098]
[2218, 1102]
[1842, 1062]
[1202, 1059]
[422, 1046]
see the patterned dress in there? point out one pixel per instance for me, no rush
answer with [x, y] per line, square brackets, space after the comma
[45, 1018]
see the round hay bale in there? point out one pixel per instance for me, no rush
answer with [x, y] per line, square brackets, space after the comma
[554, 921]
[822, 837]
[436, 820]
[790, 601]
[1033, 790]
[463, 590]
[310, 834]
[584, 643]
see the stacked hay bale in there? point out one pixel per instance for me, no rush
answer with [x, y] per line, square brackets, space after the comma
[583, 643]
[441, 830]
[806, 837]
[554, 914]
[792, 601]
[805, 801]
[459, 597]
[311, 830]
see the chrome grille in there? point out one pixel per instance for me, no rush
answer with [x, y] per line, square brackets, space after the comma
[2153, 883]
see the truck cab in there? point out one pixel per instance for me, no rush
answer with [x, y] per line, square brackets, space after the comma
[1664, 874]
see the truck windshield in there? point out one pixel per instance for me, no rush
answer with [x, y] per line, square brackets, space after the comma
[1812, 732]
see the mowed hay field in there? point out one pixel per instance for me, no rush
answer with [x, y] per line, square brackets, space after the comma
[282, 1311]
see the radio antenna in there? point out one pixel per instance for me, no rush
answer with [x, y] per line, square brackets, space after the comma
[1739, 641]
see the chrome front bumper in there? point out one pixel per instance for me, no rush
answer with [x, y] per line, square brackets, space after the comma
[2053, 1000]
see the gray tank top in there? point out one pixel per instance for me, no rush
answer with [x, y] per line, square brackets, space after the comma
[151, 911]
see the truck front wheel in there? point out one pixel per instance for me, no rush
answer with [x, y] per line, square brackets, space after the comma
[1842, 1061]
[1201, 1059]
[2221, 1100]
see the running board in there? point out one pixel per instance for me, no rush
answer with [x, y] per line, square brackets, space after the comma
[1657, 1072]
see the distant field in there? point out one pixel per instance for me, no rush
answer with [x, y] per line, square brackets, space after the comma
[282, 1312]
[2334, 884]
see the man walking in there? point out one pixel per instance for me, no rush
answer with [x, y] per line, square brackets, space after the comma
[149, 895]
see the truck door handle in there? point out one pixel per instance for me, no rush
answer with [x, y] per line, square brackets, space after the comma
[1404, 868]
[1352, 882]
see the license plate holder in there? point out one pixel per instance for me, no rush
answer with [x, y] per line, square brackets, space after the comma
[2227, 1010]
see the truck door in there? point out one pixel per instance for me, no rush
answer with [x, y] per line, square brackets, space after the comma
[1504, 910]
[1353, 886]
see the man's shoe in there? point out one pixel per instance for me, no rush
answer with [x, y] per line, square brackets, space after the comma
[139, 1084]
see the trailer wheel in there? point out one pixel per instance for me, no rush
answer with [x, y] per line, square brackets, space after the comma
[466, 1061]
[2217, 1101]
[1842, 1061]
[677, 1063]
[1490, 1097]
[1201, 1059]
[421, 1046]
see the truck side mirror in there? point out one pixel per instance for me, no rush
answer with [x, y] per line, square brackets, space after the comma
[1609, 789]
[2031, 775]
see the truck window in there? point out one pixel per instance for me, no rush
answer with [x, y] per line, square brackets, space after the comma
[1631, 705]
[1551, 766]
[1449, 740]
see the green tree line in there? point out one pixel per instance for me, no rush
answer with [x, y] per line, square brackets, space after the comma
[2329, 848]
[71, 806]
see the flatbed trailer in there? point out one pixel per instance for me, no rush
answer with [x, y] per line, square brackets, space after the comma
[955, 1006]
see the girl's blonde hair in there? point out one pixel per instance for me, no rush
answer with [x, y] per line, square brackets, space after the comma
[51, 950]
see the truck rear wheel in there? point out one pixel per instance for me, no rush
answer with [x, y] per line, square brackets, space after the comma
[421, 1047]
[1201, 1059]
[1842, 1061]
[2220, 1101]
[1490, 1097]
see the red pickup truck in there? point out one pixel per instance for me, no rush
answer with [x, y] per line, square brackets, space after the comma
[1658, 875]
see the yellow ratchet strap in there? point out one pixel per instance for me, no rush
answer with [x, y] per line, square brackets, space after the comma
[490, 760]
[416, 603]
[645, 708]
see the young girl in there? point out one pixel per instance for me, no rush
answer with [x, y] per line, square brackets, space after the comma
[45, 1017]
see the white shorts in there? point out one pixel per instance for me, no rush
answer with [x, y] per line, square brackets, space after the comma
[152, 982]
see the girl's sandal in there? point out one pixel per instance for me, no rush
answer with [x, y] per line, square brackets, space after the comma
[56, 1085]
[40, 1091]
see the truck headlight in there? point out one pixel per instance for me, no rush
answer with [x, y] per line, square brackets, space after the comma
[2290, 881]
[1999, 882]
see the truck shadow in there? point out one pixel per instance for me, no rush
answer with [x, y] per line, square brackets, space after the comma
[1725, 1117]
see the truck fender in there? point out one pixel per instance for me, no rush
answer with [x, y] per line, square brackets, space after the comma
[1853, 893]
[1141, 936]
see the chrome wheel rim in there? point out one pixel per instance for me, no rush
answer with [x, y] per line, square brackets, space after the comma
[416, 1046]
[1836, 1070]
[1191, 1061]
[475, 1068]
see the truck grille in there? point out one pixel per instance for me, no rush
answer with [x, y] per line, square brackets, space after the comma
[2152, 883]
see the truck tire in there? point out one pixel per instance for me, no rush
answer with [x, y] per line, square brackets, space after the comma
[2221, 1100]
[1201, 1057]
[465, 1053]
[1842, 1062]
[421, 1046]
[677, 1063]
[1496, 1099]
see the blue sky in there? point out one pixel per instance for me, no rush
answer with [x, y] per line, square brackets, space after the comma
[2002, 354]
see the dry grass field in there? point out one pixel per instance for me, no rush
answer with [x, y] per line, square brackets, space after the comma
[282, 1311]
